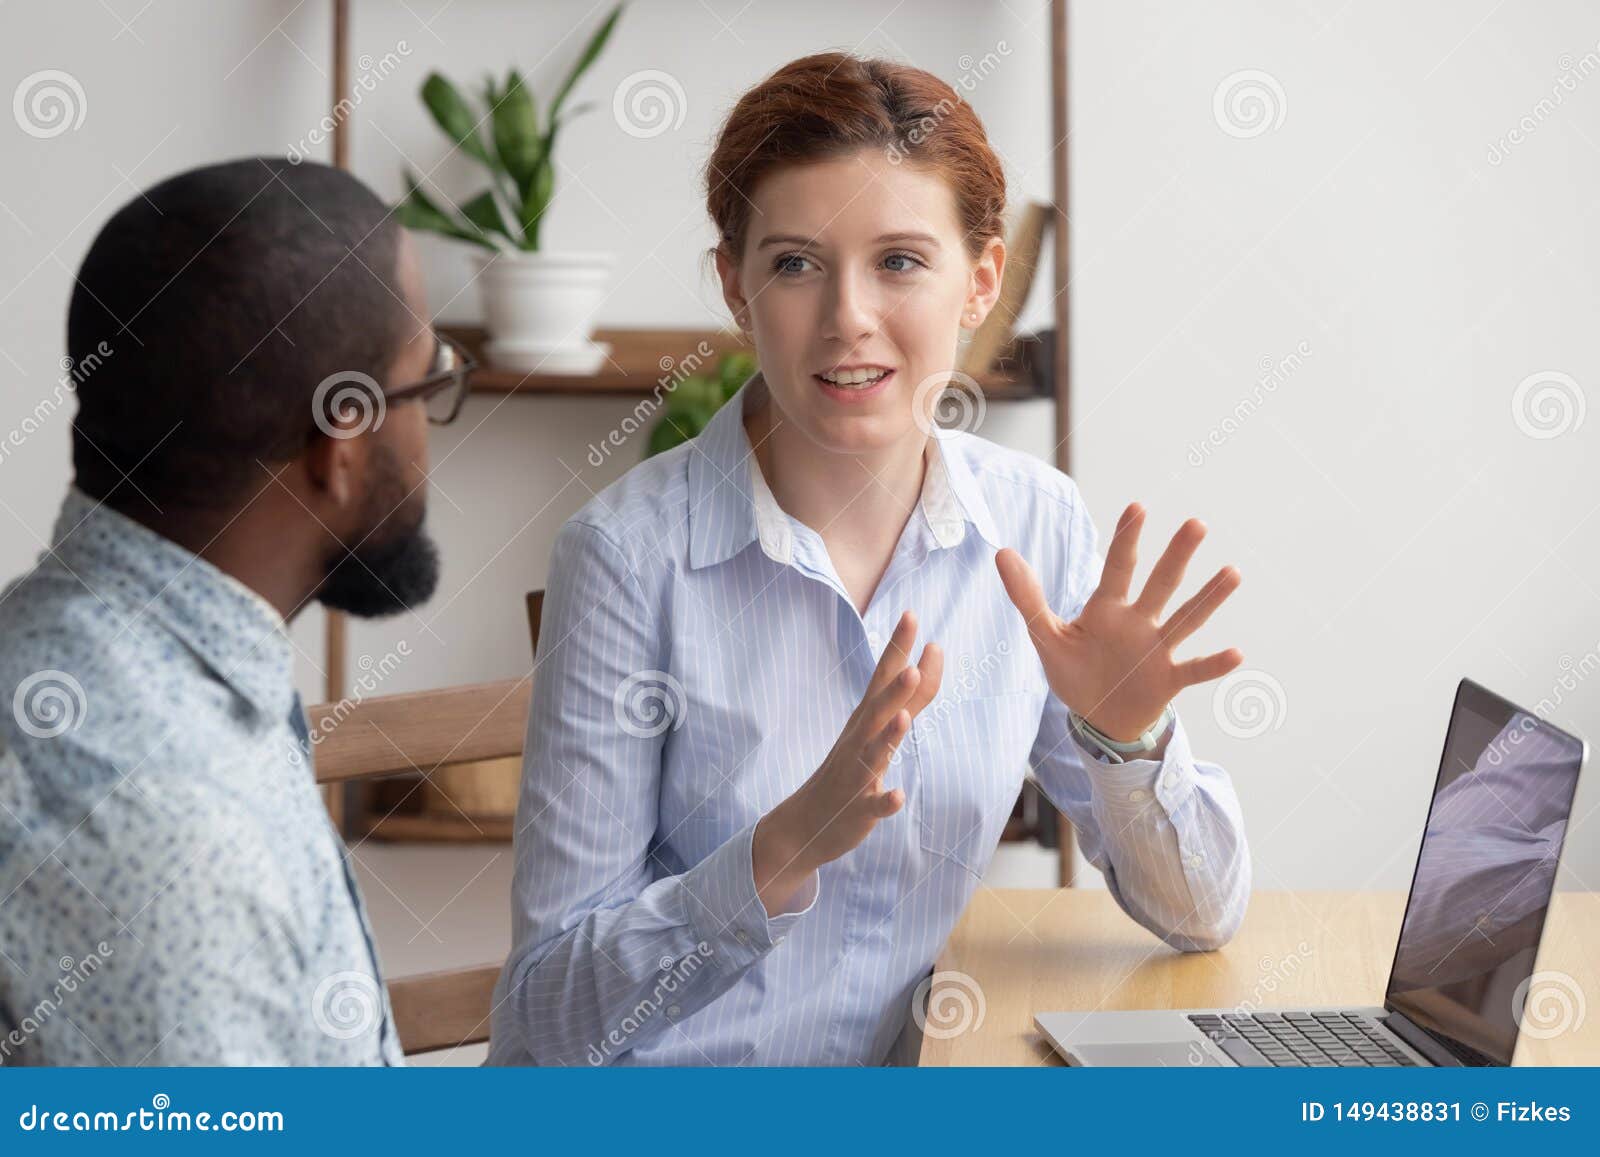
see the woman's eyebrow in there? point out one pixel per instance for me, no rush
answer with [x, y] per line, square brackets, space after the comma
[796, 239]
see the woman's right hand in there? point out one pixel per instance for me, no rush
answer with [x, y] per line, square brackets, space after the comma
[843, 801]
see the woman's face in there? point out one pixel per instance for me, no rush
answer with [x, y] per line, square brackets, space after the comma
[857, 264]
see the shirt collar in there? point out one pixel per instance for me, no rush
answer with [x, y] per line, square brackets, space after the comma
[232, 628]
[731, 505]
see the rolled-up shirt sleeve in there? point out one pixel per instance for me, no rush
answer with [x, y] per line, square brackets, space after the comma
[1167, 834]
[610, 948]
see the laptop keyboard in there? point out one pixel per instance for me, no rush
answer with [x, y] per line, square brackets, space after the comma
[1300, 1039]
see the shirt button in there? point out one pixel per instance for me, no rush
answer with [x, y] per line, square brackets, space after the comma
[674, 1011]
[1196, 860]
[1138, 795]
[742, 936]
[777, 939]
[874, 640]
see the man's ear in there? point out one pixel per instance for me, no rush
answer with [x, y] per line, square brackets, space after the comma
[336, 469]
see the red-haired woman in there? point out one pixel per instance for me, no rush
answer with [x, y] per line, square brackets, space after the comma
[752, 811]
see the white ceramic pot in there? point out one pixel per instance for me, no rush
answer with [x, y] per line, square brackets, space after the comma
[539, 309]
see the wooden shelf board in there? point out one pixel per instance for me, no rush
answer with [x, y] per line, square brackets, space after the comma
[634, 368]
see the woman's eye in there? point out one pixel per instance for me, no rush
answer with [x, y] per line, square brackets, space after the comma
[907, 257]
[781, 265]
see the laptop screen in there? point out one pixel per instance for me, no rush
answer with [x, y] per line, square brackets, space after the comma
[1484, 875]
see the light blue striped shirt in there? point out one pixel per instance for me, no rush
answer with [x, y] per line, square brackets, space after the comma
[698, 658]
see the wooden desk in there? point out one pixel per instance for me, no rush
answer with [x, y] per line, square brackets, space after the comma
[1036, 951]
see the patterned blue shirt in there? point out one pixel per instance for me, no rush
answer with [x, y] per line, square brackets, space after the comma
[699, 656]
[171, 888]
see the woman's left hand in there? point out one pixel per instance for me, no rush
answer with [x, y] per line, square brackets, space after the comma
[1113, 664]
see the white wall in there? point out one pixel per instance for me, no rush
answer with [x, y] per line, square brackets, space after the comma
[1395, 527]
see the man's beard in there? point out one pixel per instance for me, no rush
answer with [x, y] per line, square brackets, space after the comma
[393, 566]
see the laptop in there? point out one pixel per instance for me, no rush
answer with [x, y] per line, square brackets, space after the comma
[1464, 964]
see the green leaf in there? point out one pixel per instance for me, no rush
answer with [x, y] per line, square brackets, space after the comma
[417, 211]
[516, 132]
[537, 199]
[454, 115]
[485, 214]
[590, 53]
[674, 430]
[734, 369]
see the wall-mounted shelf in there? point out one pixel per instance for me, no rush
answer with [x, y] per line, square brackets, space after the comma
[635, 367]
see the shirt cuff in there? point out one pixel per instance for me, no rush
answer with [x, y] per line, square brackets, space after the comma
[726, 912]
[1126, 789]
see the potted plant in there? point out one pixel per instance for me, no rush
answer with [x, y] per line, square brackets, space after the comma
[538, 304]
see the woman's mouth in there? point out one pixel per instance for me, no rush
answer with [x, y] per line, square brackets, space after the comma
[854, 385]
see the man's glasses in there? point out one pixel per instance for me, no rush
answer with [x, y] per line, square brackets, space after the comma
[444, 389]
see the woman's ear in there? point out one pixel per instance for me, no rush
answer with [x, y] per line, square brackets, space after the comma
[988, 273]
[732, 292]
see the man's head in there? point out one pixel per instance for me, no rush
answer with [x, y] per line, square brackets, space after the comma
[250, 308]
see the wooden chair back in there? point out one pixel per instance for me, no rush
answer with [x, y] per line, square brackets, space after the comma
[417, 734]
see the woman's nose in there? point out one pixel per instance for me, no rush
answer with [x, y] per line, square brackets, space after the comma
[852, 314]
